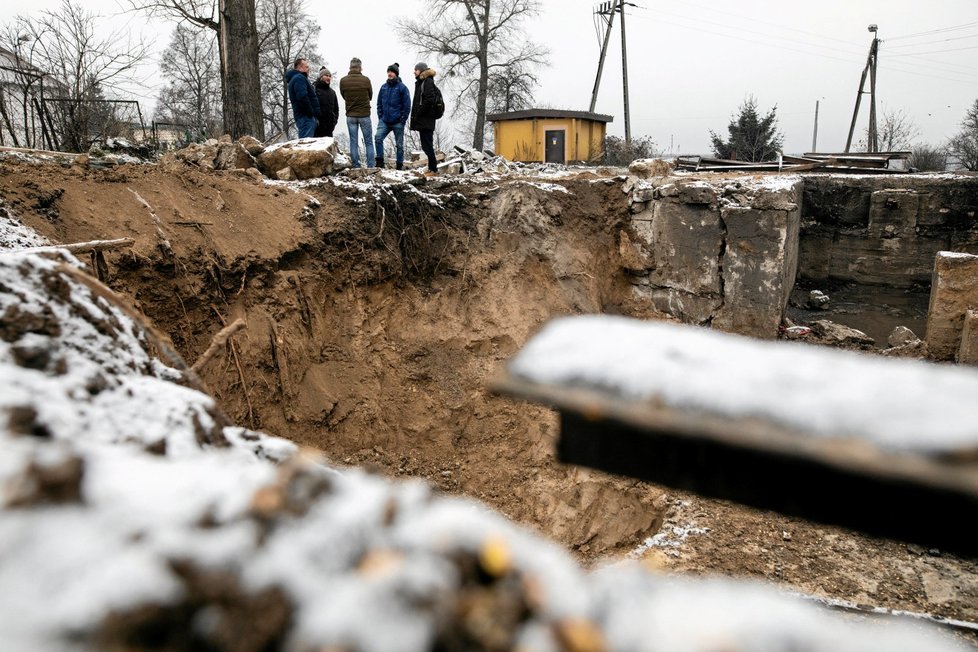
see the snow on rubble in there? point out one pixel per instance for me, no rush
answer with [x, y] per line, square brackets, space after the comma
[134, 515]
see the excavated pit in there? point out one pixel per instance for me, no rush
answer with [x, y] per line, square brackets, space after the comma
[378, 309]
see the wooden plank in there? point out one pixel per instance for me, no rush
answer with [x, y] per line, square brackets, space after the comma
[915, 482]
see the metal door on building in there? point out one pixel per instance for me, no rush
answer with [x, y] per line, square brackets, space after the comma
[555, 146]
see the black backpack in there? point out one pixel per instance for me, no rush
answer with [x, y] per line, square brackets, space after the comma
[438, 110]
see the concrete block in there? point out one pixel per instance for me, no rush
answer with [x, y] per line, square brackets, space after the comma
[686, 244]
[759, 267]
[893, 211]
[696, 192]
[688, 308]
[953, 292]
[968, 351]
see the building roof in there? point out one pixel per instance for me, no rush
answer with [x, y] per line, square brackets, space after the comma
[529, 114]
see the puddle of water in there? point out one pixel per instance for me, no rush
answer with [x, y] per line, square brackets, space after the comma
[873, 309]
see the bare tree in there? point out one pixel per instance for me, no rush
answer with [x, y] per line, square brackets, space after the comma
[511, 89]
[927, 158]
[963, 147]
[286, 32]
[473, 39]
[896, 131]
[84, 66]
[192, 94]
[237, 44]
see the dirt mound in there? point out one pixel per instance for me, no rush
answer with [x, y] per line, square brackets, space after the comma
[377, 310]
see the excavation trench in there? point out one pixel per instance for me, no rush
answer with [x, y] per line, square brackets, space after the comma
[378, 310]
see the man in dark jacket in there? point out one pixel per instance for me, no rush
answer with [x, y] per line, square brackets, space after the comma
[305, 104]
[357, 93]
[329, 106]
[423, 112]
[393, 109]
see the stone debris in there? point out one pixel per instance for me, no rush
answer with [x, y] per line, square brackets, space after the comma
[818, 300]
[835, 334]
[902, 336]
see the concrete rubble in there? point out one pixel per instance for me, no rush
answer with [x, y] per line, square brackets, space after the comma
[954, 291]
[722, 253]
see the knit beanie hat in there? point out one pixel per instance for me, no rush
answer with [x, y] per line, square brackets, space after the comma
[395, 68]
[355, 64]
[324, 71]
[421, 65]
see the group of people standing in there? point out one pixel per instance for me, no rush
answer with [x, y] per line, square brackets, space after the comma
[316, 110]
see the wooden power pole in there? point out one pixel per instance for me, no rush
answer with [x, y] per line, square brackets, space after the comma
[872, 144]
[607, 11]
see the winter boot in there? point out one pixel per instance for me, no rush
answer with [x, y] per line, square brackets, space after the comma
[380, 162]
[400, 166]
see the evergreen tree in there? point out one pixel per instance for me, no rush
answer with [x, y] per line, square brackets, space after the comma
[752, 138]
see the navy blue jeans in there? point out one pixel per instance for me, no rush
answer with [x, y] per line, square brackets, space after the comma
[305, 126]
[355, 125]
[382, 130]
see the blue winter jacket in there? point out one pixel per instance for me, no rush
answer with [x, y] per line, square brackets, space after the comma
[305, 103]
[394, 102]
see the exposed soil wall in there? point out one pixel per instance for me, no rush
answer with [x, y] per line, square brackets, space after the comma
[376, 314]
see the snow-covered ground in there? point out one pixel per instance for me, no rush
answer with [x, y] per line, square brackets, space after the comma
[131, 511]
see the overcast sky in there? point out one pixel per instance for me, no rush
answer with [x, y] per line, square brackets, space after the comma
[691, 63]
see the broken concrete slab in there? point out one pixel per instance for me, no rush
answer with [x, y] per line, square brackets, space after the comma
[686, 245]
[968, 351]
[759, 262]
[954, 291]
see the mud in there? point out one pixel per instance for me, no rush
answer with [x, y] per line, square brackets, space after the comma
[377, 313]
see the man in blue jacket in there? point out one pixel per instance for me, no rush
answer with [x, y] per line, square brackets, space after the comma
[305, 104]
[393, 110]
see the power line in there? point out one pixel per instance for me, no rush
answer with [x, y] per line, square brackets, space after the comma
[943, 40]
[941, 30]
[914, 54]
[778, 25]
[932, 65]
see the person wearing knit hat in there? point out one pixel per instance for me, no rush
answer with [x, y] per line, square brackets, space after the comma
[393, 110]
[425, 111]
[329, 106]
[357, 92]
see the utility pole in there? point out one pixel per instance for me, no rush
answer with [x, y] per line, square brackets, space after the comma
[607, 11]
[870, 68]
[815, 132]
[624, 76]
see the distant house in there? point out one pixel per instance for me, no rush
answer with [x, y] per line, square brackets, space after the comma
[549, 135]
[22, 89]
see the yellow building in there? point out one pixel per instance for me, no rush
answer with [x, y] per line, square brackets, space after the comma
[549, 135]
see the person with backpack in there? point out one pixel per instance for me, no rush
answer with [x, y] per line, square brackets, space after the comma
[427, 108]
[393, 109]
